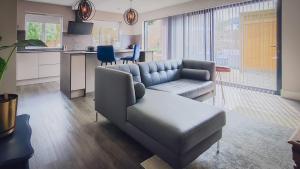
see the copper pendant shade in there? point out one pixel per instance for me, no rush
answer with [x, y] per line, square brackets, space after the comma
[86, 9]
[131, 16]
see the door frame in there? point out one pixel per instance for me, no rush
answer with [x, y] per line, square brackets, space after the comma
[279, 47]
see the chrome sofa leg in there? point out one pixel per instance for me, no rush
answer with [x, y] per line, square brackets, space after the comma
[218, 147]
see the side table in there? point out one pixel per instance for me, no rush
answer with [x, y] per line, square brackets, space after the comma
[295, 142]
[16, 149]
[219, 70]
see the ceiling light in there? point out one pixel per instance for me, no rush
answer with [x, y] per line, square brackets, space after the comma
[86, 9]
[131, 15]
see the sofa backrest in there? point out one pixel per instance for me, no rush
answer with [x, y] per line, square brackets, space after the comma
[157, 72]
[114, 92]
[133, 69]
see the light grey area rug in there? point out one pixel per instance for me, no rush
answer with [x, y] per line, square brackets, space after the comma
[247, 143]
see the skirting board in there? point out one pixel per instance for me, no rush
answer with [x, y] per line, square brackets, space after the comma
[37, 81]
[290, 95]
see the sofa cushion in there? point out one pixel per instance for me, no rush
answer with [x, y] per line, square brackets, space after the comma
[179, 128]
[153, 73]
[133, 69]
[201, 65]
[139, 89]
[186, 87]
[195, 74]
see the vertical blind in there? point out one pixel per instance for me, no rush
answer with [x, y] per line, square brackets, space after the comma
[187, 36]
[195, 36]
[245, 40]
[240, 36]
[176, 38]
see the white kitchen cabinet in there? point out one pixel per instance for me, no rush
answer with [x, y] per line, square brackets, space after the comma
[37, 67]
[49, 58]
[78, 72]
[49, 70]
[27, 66]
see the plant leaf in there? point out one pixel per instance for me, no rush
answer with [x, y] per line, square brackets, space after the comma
[30, 42]
[2, 67]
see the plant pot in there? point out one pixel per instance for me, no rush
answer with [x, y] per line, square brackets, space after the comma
[8, 112]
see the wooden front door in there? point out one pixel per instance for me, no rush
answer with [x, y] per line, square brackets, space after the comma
[259, 37]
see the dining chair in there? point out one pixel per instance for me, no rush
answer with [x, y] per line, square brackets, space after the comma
[106, 54]
[136, 55]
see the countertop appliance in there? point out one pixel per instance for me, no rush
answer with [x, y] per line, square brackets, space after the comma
[90, 49]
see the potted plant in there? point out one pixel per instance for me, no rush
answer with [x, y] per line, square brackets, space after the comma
[9, 102]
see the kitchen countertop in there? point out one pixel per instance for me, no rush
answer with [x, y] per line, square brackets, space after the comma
[39, 50]
[95, 52]
[75, 51]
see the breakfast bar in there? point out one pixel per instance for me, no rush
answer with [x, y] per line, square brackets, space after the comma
[77, 70]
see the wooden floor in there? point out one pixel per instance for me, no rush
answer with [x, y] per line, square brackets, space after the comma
[66, 136]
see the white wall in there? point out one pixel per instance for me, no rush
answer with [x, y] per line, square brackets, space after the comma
[67, 13]
[8, 31]
[291, 48]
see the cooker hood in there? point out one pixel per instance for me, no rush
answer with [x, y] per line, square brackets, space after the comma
[78, 27]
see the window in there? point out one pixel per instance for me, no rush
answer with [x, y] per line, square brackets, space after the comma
[241, 36]
[44, 27]
[245, 40]
[106, 33]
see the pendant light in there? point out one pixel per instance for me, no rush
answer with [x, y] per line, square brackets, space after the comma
[131, 15]
[86, 9]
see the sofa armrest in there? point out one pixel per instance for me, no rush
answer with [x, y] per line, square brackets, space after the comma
[114, 92]
[201, 65]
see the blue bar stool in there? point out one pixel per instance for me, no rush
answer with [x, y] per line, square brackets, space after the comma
[136, 55]
[106, 54]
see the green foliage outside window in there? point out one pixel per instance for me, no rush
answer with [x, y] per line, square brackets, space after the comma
[47, 32]
[34, 30]
[53, 35]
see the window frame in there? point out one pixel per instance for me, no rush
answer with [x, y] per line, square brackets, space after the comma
[107, 22]
[44, 29]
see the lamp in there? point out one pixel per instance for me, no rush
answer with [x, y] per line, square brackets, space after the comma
[86, 9]
[130, 15]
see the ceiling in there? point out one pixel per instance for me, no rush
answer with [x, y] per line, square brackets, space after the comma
[119, 6]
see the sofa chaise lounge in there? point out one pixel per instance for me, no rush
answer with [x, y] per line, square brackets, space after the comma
[153, 103]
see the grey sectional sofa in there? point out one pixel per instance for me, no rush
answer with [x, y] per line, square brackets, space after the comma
[188, 78]
[165, 118]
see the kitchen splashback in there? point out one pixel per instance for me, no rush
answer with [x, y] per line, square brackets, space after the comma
[77, 42]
